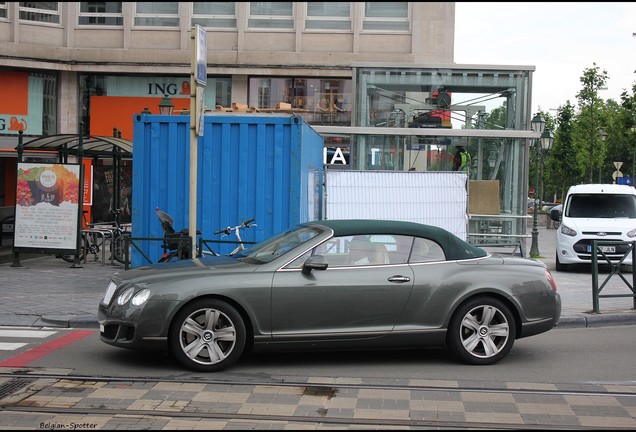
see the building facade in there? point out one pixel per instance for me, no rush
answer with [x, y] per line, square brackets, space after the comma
[376, 79]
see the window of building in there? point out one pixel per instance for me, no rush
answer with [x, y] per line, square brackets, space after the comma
[219, 15]
[386, 16]
[271, 15]
[101, 13]
[123, 96]
[157, 14]
[319, 101]
[40, 11]
[328, 16]
[3, 10]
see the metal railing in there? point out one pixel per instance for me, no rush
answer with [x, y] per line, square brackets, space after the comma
[184, 246]
[615, 270]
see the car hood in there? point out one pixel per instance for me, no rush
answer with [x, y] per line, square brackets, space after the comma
[184, 268]
[601, 224]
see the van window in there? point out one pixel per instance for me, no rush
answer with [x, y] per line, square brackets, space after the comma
[601, 206]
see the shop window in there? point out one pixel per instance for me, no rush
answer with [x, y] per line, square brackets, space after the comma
[47, 12]
[328, 16]
[214, 15]
[157, 14]
[386, 16]
[271, 15]
[3, 10]
[101, 13]
[318, 101]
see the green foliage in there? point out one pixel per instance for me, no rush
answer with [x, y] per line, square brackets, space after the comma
[579, 155]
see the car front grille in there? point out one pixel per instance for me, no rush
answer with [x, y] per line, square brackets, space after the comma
[118, 332]
[583, 249]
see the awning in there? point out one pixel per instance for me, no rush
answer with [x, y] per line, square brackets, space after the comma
[92, 145]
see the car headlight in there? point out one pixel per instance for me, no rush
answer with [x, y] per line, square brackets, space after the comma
[631, 233]
[125, 296]
[138, 298]
[567, 231]
[141, 297]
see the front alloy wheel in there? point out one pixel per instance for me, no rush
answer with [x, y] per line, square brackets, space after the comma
[481, 331]
[207, 336]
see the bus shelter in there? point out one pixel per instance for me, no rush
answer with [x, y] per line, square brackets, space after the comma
[92, 151]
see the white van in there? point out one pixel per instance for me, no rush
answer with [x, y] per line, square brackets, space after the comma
[604, 212]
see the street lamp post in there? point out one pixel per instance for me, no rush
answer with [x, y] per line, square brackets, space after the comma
[542, 145]
[603, 135]
[633, 156]
[166, 106]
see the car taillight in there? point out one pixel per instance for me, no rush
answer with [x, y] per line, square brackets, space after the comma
[548, 275]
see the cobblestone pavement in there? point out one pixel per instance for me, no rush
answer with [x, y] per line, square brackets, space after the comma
[315, 404]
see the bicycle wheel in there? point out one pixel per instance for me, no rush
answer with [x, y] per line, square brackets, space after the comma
[82, 252]
[94, 244]
[119, 248]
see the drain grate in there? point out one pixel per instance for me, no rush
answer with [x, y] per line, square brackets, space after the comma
[14, 384]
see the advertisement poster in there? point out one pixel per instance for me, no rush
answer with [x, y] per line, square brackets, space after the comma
[47, 199]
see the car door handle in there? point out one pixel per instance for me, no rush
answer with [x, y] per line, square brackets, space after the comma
[399, 279]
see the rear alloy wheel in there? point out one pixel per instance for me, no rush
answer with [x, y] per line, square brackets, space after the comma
[481, 332]
[207, 336]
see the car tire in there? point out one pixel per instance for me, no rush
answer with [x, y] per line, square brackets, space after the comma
[481, 331]
[207, 335]
[559, 266]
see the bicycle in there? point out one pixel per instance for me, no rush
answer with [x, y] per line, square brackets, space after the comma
[97, 234]
[237, 233]
[175, 247]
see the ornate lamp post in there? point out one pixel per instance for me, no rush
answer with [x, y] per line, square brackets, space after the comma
[543, 145]
[166, 106]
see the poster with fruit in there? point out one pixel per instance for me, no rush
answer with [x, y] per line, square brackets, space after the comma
[47, 200]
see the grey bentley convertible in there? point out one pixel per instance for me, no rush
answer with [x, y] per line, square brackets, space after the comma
[333, 285]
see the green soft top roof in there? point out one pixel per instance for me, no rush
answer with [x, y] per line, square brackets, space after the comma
[454, 247]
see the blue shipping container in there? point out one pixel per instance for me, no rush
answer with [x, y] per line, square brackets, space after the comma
[263, 166]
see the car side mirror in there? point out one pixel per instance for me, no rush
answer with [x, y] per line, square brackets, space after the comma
[555, 215]
[316, 262]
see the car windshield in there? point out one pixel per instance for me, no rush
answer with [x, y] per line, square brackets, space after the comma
[274, 247]
[602, 206]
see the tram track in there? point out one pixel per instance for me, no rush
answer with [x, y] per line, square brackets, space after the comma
[282, 403]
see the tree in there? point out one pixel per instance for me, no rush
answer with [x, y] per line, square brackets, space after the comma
[590, 146]
[627, 123]
[562, 169]
[619, 142]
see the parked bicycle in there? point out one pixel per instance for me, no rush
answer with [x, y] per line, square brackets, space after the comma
[237, 233]
[94, 239]
[175, 244]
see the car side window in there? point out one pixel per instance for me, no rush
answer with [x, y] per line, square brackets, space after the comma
[425, 250]
[334, 250]
[360, 250]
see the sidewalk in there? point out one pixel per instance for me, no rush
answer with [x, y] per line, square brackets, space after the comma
[47, 291]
